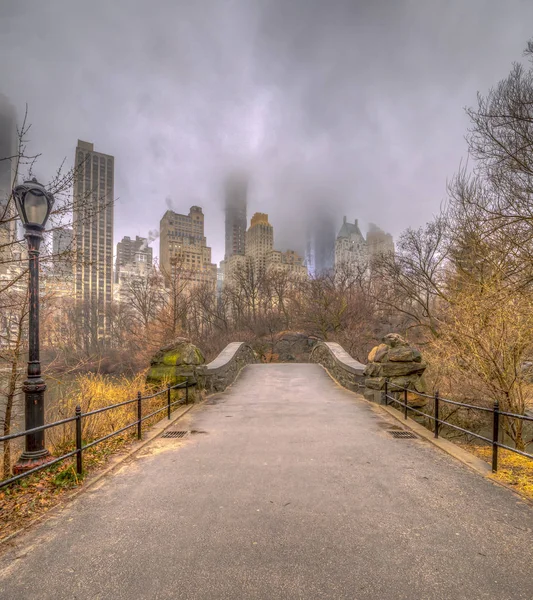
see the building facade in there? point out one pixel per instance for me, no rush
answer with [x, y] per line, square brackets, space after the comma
[127, 250]
[354, 254]
[93, 237]
[259, 241]
[183, 250]
[8, 173]
[261, 257]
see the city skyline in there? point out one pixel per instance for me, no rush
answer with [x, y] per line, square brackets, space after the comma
[338, 113]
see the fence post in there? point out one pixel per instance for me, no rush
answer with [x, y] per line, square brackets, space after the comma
[495, 435]
[386, 393]
[139, 415]
[437, 414]
[79, 461]
[187, 391]
[168, 399]
[405, 402]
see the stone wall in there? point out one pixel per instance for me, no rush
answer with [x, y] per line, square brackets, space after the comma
[340, 365]
[221, 372]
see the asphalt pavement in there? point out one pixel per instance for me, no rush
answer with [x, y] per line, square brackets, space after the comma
[287, 487]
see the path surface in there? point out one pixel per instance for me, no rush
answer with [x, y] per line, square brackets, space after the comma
[295, 491]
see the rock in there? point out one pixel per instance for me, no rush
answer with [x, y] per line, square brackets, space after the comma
[393, 340]
[399, 369]
[404, 354]
[375, 383]
[372, 370]
[174, 362]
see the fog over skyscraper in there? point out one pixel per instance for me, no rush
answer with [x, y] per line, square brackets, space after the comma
[235, 201]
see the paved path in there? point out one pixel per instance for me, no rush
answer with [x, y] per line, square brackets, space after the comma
[295, 491]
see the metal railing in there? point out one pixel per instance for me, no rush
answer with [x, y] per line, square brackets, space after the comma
[438, 422]
[78, 419]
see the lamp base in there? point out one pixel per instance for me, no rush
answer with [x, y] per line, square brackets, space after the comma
[30, 460]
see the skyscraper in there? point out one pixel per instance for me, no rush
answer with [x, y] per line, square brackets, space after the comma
[8, 169]
[183, 250]
[259, 241]
[320, 245]
[93, 237]
[236, 192]
[127, 250]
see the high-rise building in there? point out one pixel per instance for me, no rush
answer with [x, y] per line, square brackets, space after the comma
[260, 257]
[259, 241]
[8, 171]
[379, 243]
[183, 250]
[127, 250]
[93, 237]
[350, 248]
[320, 244]
[354, 254]
[236, 193]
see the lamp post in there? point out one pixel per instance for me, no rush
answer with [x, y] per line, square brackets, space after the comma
[33, 204]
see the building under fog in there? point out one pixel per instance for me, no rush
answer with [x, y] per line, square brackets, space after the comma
[320, 241]
[235, 207]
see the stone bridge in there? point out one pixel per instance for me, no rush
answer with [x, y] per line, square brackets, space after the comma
[287, 486]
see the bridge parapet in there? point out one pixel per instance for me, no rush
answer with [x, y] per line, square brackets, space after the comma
[222, 372]
[342, 367]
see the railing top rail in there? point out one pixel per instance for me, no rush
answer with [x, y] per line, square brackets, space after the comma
[12, 436]
[461, 404]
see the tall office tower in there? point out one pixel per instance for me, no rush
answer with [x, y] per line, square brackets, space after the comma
[93, 237]
[127, 250]
[236, 192]
[183, 250]
[8, 171]
[320, 245]
[379, 243]
[259, 241]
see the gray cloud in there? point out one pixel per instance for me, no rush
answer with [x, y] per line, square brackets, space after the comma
[356, 104]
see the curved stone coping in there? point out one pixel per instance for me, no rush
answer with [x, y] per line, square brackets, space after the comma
[342, 367]
[221, 372]
[343, 358]
[225, 357]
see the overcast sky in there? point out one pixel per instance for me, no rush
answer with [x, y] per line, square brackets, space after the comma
[358, 104]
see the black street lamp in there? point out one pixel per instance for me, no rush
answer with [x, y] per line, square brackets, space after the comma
[33, 204]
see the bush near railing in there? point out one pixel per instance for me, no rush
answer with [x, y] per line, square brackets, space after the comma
[439, 422]
[131, 413]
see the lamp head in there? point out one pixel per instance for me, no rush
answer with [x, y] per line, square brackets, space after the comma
[33, 203]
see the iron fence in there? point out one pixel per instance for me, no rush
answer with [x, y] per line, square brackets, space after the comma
[78, 419]
[438, 421]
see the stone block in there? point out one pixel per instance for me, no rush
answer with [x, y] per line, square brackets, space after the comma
[375, 383]
[404, 354]
[400, 369]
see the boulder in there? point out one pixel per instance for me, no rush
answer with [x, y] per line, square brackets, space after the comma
[395, 340]
[398, 363]
[378, 353]
[375, 383]
[404, 354]
[174, 363]
[399, 369]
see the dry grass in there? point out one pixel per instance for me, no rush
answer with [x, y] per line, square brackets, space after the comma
[24, 501]
[513, 469]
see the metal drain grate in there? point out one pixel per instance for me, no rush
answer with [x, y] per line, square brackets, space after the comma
[402, 434]
[175, 434]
